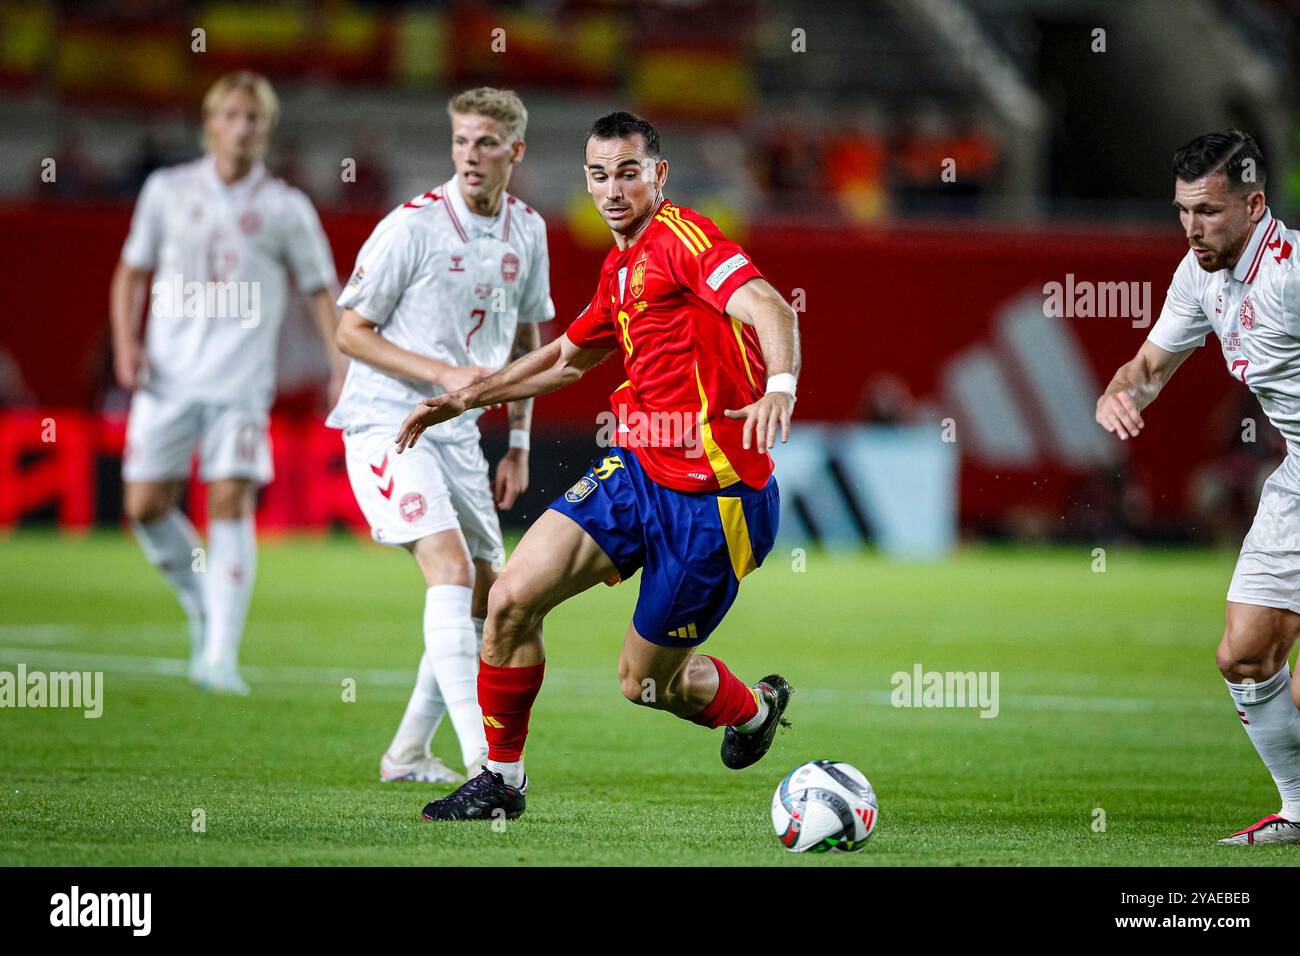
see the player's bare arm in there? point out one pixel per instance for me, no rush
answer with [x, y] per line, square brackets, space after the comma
[1135, 386]
[359, 338]
[756, 303]
[544, 370]
[126, 301]
[326, 316]
[511, 479]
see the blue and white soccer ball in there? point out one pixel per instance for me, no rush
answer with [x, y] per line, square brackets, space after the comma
[824, 805]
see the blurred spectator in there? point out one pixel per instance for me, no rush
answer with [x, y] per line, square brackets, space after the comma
[855, 170]
[791, 161]
[942, 158]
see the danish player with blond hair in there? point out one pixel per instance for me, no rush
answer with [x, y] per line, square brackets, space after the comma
[225, 243]
[448, 288]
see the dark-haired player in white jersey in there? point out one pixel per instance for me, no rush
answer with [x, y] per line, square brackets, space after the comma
[448, 288]
[1240, 280]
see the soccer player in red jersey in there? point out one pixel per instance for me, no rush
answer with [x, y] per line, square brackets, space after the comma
[687, 497]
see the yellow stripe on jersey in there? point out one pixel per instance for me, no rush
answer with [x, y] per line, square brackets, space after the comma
[735, 327]
[722, 469]
[675, 227]
[736, 530]
[691, 228]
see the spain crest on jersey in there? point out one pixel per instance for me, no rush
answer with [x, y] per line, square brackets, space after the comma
[637, 285]
[581, 488]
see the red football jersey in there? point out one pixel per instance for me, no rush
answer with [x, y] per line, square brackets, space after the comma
[662, 302]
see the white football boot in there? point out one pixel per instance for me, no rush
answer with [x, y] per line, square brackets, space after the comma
[426, 769]
[221, 677]
[1270, 829]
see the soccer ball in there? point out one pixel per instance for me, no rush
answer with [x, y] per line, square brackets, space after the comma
[824, 805]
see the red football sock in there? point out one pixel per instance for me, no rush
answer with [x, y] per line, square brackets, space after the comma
[506, 695]
[734, 703]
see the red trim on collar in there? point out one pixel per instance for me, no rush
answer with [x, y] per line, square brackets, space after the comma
[460, 231]
[1259, 253]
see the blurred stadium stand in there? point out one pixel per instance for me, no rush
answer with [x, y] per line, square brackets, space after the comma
[814, 132]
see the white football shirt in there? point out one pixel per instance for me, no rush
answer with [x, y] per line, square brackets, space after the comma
[441, 282]
[1254, 309]
[222, 259]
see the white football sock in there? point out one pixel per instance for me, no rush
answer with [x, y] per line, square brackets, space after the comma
[1273, 724]
[511, 771]
[449, 646]
[751, 725]
[232, 565]
[478, 634]
[169, 543]
[423, 714]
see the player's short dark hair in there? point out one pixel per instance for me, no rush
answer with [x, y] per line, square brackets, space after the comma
[621, 125]
[1231, 152]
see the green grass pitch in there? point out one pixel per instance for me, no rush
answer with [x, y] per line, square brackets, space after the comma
[1109, 701]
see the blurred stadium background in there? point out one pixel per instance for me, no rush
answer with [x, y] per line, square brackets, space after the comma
[816, 133]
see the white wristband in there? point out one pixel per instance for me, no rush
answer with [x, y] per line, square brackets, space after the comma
[784, 382]
[519, 438]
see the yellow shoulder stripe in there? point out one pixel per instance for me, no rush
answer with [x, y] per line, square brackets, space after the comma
[691, 228]
[686, 241]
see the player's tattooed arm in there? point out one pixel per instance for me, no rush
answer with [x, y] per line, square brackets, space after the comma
[756, 303]
[527, 339]
[511, 478]
[1135, 386]
[126, 302]
[543, 370]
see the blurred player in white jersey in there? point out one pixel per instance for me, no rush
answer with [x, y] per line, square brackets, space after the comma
[1240, 280]
[448, 288]
[223, 241]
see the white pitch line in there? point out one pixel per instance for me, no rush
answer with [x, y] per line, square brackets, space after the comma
[291, 674]
[176, 667]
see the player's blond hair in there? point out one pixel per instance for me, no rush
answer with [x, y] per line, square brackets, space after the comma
[504, 106]
[254, 84]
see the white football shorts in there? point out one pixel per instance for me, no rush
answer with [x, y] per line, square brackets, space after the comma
[433, 487]
[162, 435]
[1268, 569]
